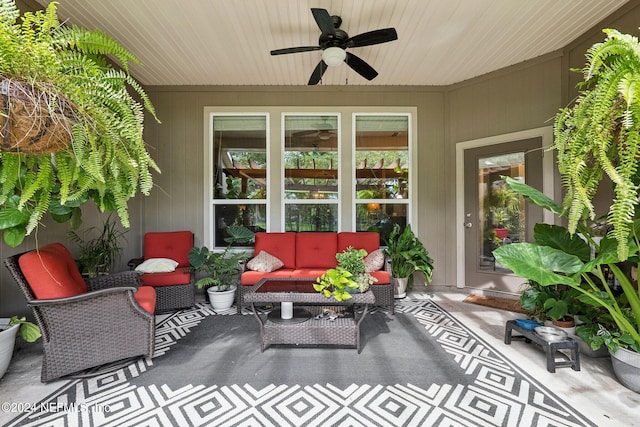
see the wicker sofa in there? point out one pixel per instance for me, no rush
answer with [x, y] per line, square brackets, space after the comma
[308, 255]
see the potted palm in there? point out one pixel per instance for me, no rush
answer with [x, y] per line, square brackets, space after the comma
[221, 268]
[72, 124]
[9, 328]
[407, 255]
[98, 254]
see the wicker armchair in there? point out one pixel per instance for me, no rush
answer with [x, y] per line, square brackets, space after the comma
[102, 325]
[175, 289]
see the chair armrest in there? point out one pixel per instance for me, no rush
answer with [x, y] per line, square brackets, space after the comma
[82, 297]
[125, 278]
[134, 262]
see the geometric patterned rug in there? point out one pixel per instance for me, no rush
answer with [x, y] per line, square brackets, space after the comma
[499, 393]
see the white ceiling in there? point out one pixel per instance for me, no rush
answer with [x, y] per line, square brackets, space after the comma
[218, 42]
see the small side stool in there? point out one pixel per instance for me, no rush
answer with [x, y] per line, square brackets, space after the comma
[550, 347]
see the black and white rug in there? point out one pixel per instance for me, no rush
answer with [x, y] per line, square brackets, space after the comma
[418, 368]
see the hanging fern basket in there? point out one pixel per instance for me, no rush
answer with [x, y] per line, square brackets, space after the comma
[32, 120]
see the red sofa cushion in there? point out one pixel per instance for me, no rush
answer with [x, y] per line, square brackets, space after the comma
[177, 277]
[169, 244]
[308, 273]
[316, 250]
[146, 297]
[281, 245]
[250, 278]
[52, 272]
[367, 240]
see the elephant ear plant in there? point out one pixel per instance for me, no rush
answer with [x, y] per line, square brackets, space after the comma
[70, 123]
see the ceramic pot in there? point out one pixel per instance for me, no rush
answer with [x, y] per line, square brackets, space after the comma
[7, 342]
[221, 300]
[626, 365]
[400, 287]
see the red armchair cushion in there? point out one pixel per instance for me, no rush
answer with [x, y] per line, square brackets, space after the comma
[281, 245]
[316, 250]
[367, 240]
[177, 277]
[146, 297]
[52, 272]
[169, 244]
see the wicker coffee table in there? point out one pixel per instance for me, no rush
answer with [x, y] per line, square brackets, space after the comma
[305, 328]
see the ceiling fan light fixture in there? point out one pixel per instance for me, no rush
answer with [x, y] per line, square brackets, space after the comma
[333, 56]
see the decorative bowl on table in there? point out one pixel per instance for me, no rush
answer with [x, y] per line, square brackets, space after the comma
[527, 324]
[551, 334]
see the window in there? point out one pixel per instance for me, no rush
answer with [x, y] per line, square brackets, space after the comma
[382, 172]
[306, 169]
[311, 169]
[240, 173]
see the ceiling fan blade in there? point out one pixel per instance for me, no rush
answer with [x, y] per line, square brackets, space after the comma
[294, 50]
[373, 37]
[317, 73]
[360, 67]
[324, 21]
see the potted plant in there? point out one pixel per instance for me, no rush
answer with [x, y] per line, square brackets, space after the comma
[72, 124]
[9, 328]
[596, 137]
[407, 255]
[347, 278]
[97, 255]
[352, 260]
[221, 268]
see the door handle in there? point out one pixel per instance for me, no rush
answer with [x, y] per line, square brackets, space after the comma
[468, 225]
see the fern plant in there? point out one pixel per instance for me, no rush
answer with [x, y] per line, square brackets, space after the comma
[600, 134]
[107, 160]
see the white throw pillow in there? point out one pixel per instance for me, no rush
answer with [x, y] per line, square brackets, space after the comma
[374, 261]
[264, 262]
[157, 265]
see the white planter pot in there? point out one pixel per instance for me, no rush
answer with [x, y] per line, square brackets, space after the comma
[221, 300]
[7, 342]
[626, 365]
[400, 287]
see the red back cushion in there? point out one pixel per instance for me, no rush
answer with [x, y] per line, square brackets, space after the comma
[316, 249]
[367, 240]
[169, 244]
[52, 273]
[280, 245]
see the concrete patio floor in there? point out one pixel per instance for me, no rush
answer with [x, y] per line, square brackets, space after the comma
[594, 390]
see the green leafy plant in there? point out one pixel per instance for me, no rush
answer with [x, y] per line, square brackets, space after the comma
[408, 255]
[64, 71]
[337, 282]
[28, 331]
[98, 254]
[558, 257]
[600, 135]
[352, 260]
[220, 267]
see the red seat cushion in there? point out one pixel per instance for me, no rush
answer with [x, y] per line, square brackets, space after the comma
[177, 277]
[316, 250]
[281, 245]
[367, 240]
[308, 273]
[146, 297]
[169, 244]
[52, 272]
[250, 278]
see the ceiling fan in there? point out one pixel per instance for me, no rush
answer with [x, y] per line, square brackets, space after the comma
[333, 42]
